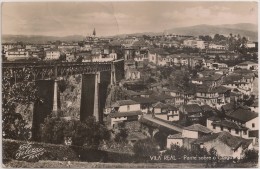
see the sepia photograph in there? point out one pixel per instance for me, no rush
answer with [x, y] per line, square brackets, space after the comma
[130, 84]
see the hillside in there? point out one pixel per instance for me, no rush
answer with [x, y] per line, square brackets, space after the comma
[248, 30]
[244, 29]
[38, 39]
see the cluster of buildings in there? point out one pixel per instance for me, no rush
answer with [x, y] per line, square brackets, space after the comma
[213, 113]
[220, 110]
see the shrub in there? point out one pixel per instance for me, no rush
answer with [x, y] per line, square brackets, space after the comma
[51, 151]
[122, 134]
[15, 127]
[9, 149]
[146, 147]
[251, 156]
[52, 130]
[89, 133]
[64, 153]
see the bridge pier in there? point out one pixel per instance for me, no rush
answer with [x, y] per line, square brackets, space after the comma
[113, 74]
[96, 96]
[93, 95]
[50, 102]
[56, 100]
[87, 96]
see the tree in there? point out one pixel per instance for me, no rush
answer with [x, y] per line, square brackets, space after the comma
[63, 84]
[206, 38]
[81, 43]
[15, 127]
[62, 57]
[14, 94]
[89, 132]
[217, 58]
[251, 156]
[180, 81]
[122, 135]
[146, 147]
[79, 59]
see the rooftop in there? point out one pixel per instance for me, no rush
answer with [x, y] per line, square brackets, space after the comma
[228, 124]
[247, 63]
[159, 105]
[125, 114]
[225, 137]
[144, 100]
[198, 127]
[242, 114]
[123, 102]
[192, 108]
[179, 135]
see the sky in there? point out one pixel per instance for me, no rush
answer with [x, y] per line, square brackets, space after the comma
[111, 18]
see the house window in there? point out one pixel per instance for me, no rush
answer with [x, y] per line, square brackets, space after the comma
[214, 126]
[245, 132]
[237, 131]
[128, 108]
[221, 128]
[253, 125]
[229, 129]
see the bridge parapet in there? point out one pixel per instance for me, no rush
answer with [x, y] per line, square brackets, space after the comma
[47, 70]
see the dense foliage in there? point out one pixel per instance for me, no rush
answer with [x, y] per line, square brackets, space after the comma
[122, 134]
[88, 133]
[146, 148]
[14, 94]
[251, 156]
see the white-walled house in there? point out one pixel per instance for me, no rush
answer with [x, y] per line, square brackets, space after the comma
[132, 74]
[254, 106]
[126, 106]
[248, 65]
[52, 54]
[124, 110]
[226, 144]
[115, 118]
[194, 43]
[244, 117]
[218, 125]
[188, 135]
[166, 112]
[17, 53]
[250, 44]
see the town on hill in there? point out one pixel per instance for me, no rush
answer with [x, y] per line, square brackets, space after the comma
[170, 98]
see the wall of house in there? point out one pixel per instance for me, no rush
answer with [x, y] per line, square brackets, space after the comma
[253, 121]
[222, 149]
[175, 141]
[157, 110]
[152, 58]
[52, 55]
[161, 116]
[232, 131]
[255, 109]
[17, 55]
[162, 61]
[174, 118]
[189, 134]
[115, 120]
[128, 108]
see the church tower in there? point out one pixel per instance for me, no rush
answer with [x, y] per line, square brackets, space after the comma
[94, 32]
